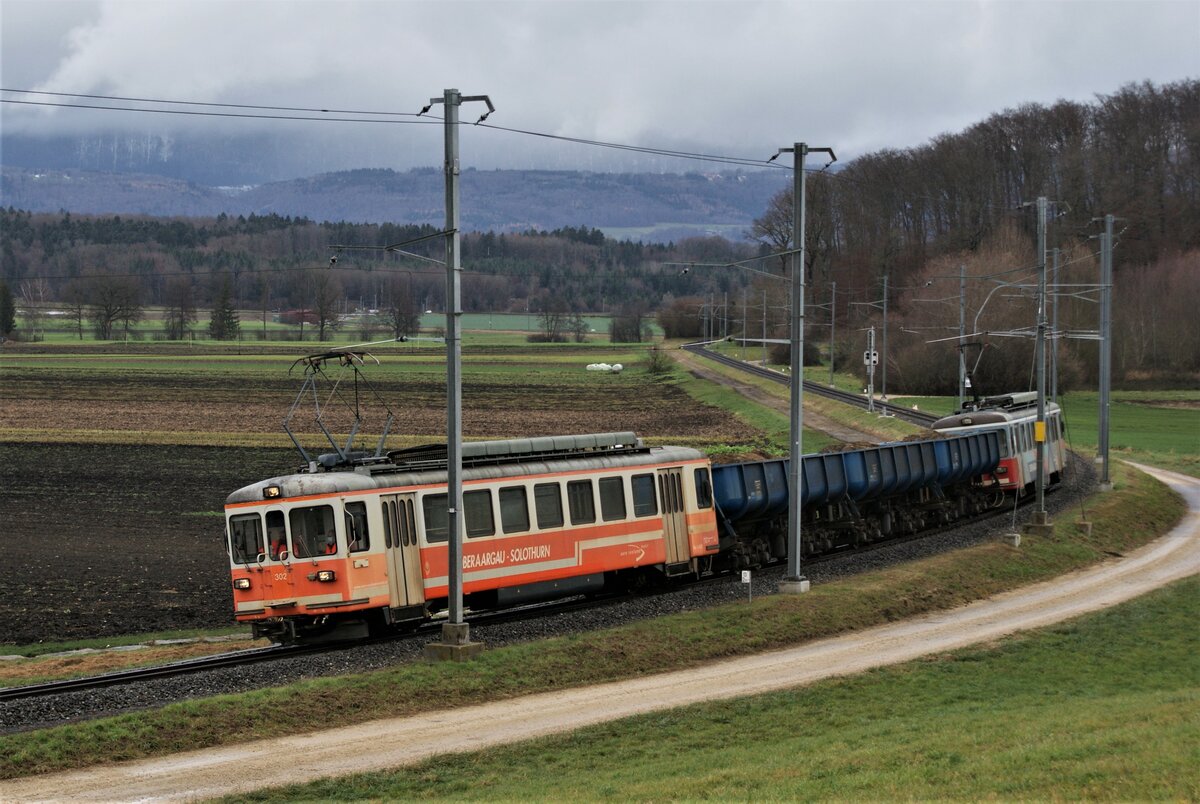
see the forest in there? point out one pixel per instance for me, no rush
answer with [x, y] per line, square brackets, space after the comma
[910, 219]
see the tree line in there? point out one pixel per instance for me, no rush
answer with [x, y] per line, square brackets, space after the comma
[916, 215]
[105, 271]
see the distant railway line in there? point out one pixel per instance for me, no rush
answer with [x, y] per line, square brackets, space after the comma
[914, 416]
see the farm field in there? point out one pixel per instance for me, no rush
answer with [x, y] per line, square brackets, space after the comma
[116, 466]
[105, 539]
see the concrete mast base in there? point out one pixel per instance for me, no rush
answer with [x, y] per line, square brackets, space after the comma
[456, 645]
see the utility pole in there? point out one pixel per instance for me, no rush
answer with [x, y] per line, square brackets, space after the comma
[962, 331]
[885, 351]
[456, 642]
[832, 329]
[708, 321]
[764, 328]
[1040, 524]
[1054, 330]
[870, 359]
[745, 313]
[794, 582]
[725, 316]
[1106, 249]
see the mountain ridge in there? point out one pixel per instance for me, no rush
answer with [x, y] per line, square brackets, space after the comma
[649, 206]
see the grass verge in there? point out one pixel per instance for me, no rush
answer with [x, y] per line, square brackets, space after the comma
[1138, 511]
[1048, 715]
[84, 662]
[100, 643]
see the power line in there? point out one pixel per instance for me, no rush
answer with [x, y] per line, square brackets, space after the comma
[416, 118]
[202, 103]
[244, 115]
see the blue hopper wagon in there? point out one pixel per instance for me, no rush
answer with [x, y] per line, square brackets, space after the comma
[858, 496]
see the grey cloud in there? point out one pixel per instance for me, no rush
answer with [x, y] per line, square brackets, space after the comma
[729, 77]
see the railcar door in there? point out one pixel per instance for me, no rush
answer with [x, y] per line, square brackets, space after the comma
[405, 585]
[675, 535]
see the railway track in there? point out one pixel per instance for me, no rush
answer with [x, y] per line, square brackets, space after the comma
[233, 659]
[276, 652]
[858, 400]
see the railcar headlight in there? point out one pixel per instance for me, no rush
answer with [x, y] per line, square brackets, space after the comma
[326, 576]
[1001, 470]
[241, 583]
[272, 492]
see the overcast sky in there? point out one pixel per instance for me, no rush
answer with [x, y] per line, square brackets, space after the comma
[740, 78]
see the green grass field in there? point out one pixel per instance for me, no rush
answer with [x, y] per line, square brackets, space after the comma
[1050, 715]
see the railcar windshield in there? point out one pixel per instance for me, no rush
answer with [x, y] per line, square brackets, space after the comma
[313, 531]
[245, 538]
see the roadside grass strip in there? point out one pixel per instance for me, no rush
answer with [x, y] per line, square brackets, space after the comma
[1106, 706]
[1138, 511]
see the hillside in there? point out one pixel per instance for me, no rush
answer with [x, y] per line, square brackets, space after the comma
[650, 207]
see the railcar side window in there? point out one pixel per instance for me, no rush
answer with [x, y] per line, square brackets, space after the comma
[704, 497]
[436, 527]
[547, 499]
[645, 503]
[478, 508]
[389, 513]
[276, 534]
[514, 509]
[581, 502]
[313, 532]
[612, 498]
[245, 538]
[357, 536]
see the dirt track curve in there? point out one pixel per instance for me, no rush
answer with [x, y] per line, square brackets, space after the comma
[391, 743]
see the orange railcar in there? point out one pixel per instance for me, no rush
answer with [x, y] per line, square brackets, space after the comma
[340, 550]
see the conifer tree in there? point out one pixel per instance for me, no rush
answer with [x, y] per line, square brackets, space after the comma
[8, 310]
[224, 325]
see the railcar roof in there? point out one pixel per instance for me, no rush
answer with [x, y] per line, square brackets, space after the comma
[377, 477]
[973, 418]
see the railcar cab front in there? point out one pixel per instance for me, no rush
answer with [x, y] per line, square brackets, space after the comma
[1014, 416]
[300, 551]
